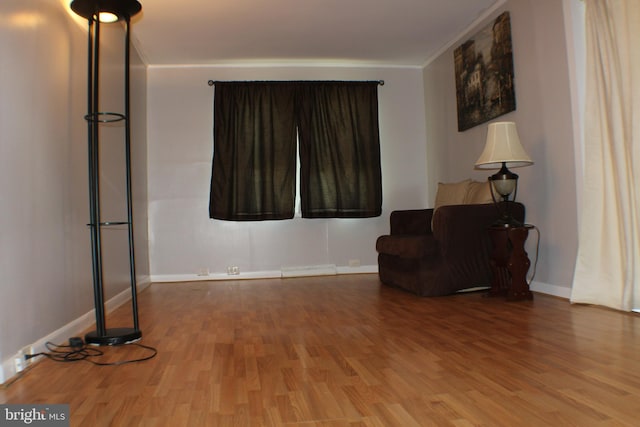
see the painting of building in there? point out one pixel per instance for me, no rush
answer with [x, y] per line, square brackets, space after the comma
[484, 74]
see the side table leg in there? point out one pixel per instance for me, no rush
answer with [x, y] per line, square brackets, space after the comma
[519, 264]
[498, 261]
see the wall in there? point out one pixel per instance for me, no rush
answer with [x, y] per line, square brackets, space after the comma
[185, 241]
[45, 263]
[545, 124]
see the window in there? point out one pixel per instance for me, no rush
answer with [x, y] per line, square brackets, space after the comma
[254, 163]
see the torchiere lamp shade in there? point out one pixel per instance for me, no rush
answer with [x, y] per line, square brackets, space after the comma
[91, 9]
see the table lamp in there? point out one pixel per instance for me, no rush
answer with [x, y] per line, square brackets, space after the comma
[503, 150]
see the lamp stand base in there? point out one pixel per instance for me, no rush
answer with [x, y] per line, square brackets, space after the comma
[115, 336]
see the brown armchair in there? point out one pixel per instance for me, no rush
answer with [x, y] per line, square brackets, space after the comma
[442, 259]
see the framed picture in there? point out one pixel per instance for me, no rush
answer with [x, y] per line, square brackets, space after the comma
[484, 74]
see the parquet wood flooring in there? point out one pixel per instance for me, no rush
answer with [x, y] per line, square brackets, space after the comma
[347, 351]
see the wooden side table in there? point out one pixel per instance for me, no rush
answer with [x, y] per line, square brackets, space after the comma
[509, 262]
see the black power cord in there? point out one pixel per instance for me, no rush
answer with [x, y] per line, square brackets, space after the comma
[77, 350]
[535, 262]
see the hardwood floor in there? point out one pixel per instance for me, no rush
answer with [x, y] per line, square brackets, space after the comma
[348, 351]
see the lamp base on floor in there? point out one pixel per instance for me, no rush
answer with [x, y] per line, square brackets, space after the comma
[115, 336]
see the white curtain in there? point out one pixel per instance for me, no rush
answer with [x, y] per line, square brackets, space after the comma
[608, 264]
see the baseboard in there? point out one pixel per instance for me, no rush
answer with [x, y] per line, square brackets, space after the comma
[168, 278]
[285, 272]
[545, 288]
[310, 270]
[73, 328]
[361, 269]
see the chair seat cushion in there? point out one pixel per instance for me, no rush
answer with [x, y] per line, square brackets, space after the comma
[407, 246]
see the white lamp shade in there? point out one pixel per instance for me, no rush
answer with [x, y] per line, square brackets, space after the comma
[503, 146]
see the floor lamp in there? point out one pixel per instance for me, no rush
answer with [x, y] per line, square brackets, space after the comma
[98, 12]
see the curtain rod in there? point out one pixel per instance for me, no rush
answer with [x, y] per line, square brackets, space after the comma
[380, 82]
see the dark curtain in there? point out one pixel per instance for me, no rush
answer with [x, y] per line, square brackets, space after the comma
[339, 150]
[254, 154]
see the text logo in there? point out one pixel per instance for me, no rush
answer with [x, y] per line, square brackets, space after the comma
[34, 415]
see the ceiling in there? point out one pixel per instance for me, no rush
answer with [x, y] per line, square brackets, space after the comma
[376, 32]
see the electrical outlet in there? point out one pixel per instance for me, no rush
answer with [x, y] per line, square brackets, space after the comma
[233, 270]
[354, 263]
[20, 363]
[203, 271]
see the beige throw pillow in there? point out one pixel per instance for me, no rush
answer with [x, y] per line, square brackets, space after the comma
[451, 193]
[478, 193]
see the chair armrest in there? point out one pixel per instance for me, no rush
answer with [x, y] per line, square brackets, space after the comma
[411, 222]
[407, 246]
